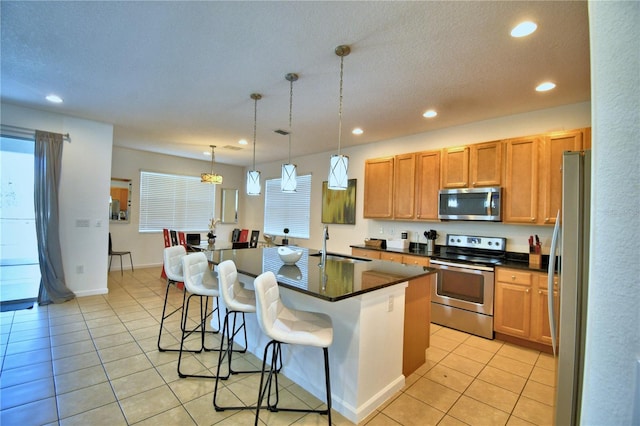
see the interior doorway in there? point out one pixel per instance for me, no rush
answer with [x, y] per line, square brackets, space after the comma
[19, 266]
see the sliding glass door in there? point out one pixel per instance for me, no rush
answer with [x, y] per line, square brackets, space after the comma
[19, 269]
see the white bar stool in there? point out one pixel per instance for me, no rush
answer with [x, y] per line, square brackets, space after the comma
[172, 262]
[238, 301]
[286, 325]
[200, 282]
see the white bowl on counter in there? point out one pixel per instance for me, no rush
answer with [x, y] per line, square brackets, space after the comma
[289, 256]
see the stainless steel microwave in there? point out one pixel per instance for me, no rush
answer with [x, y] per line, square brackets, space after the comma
[470, 204]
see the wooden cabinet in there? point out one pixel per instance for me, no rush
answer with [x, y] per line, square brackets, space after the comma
[555, 144]
[404, 181]
[521, 305]
[455, 167]
[378, 188]
[427, 184]
[512, 307]
[486, 164]
[364, 253]
[520, 194]
[472, 166]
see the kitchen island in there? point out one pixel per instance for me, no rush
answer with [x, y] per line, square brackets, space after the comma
[366, 300]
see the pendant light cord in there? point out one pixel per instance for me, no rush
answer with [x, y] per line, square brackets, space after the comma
[213, 157]
[290, 114]
[340, 109]
[255, 121]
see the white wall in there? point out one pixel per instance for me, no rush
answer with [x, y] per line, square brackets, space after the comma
[147, 248]
[612, 380]
[84, 193]
[342, 236]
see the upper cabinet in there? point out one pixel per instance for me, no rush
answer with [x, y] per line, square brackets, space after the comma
[378, 188]
[404, 180]
[485, 165]
[455, 167]
[427, 184]
[520, 192]
[472, 166]
[555, 144]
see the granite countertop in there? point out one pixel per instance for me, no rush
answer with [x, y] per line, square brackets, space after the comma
[336, 280]
[514, 260]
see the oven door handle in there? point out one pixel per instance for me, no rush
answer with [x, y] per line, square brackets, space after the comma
[462, 265]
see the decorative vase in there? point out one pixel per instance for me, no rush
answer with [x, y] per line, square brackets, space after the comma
[212, 240]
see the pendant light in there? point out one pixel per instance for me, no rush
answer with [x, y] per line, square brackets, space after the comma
[339, 165]
[213, 178]
[253, 176]
[288, 183]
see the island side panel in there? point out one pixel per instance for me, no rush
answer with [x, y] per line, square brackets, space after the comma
[417, 318]
[366, 354]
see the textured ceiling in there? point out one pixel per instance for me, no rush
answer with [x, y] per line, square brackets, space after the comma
[175, 77]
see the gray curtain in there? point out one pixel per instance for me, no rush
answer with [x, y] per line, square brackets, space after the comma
[47, 167]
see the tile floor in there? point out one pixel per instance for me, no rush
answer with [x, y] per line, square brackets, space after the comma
[94, 361]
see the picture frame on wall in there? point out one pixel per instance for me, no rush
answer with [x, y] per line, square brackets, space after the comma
[339, 206]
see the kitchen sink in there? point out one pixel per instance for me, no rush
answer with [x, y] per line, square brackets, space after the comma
[341, 258]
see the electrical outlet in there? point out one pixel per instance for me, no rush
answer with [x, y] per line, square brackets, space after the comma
[382, 230]
[391, 231]
[390, 307]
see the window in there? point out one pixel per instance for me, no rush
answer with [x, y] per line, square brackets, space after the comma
[287, 210]
[174, 202]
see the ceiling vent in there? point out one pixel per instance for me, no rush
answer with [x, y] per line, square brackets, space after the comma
[281, 132]
[233, 147]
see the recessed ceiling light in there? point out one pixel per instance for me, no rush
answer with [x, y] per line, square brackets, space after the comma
[55, 99]
[547, 85]
[430, 113]
[357, 131]
[523, 29]
[243, 142]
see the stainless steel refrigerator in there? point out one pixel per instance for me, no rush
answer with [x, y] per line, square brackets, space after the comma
[571, 236]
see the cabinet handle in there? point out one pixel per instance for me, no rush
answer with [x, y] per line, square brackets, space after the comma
[546, 220]
[513, 277]
[527, 290]
[539, 291]
[533, 219]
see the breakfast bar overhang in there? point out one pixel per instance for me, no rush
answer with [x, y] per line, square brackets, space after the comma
[369, 302]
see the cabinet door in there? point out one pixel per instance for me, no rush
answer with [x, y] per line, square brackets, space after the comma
[521, 180]
[404, 179]
[427, 184]
[455, 167]
[555, 144]
[378, 188]
[368, 254]
[486, 164]
[541, 330]
[512, 313]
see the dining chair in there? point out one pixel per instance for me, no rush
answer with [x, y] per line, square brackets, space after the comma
[290, 326]
[120, 254]
[201, 283]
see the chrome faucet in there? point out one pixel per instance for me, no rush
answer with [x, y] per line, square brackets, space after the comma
[325, 237]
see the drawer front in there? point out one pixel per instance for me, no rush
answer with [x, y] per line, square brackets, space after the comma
[415, 260]
[369, 254]
[513, 276]
[394, 257]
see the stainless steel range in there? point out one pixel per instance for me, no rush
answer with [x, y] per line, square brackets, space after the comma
[462, 296]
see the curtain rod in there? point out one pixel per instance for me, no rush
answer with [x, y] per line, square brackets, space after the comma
[24, 131]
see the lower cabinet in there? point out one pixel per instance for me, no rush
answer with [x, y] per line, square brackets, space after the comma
[368, 254]
[521, 305]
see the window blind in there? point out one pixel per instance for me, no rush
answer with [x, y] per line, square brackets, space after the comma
[287, 209]
[175, 202]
